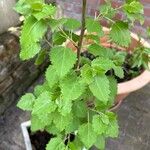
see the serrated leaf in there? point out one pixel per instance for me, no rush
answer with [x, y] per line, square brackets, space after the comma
[113, 129]
[39, 89]
[64, 107]
[47, 11]
[80, 109]
[100, 143]
[119, 71]
[55, 144]
[101, 63]
[44, 104]
[26, 102]
[107, 10]
[113, 91]
[55, 23]
[120, 33]
[93, 25]
[40, 58]
[36, 123]
[87, 135]
[134, 7]
[93, 37]
[63, 59]
[30, 38]
[72, 87]
[100, 88]
[58, 38]
[86, 73]
[98, 125]
[51, 76]
[72, 24]
[22, 7]
[101, 51]
[61, 122]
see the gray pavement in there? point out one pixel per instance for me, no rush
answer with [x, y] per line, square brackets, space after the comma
[134, 120]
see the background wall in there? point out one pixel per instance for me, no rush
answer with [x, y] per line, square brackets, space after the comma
[72, 8]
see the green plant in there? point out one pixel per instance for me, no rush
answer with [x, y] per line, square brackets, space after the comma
[77, 93]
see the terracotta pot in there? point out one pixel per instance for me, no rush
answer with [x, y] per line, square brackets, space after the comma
[125, 88]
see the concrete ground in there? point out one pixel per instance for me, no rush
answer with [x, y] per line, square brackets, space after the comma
[134, 120]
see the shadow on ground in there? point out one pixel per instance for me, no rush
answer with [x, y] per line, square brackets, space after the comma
[134, 120]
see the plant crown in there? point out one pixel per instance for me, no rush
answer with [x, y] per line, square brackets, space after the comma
[78, 92]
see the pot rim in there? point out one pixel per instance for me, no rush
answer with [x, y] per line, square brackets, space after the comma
[137, 82]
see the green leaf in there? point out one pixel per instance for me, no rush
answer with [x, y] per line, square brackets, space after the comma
[87, 135]
[40, 58]
[51, 76]
[113, 129]
[95, 38]
[39, 89]
[26, 102]
[58, 38]
[100, 143]
[119, 71]
[44, 104]
[86, 73]
[64, 107]
[61, 122]
[30, 38]
[72, 87]
[36, 124]
[100, 88]
[72, 24]
[55, 23]
[47, 11]
[107, 10]
[63, 59]
[55, 144]
[120, 33]
[113, 91]
[80, 109]
[22, 7]
[101, 63]
[94, 26]
[98, 124]
[134, 7]
[101, 51]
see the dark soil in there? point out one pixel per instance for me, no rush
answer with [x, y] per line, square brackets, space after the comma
[40, 139]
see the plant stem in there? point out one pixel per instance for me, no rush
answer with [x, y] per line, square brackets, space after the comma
[82, 32]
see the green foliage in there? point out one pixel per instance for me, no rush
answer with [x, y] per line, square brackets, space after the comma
[59, 56]
[77, 92]
[26, 102]
[120, 33]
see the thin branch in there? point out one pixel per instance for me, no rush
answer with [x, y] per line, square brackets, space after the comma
[82, 32]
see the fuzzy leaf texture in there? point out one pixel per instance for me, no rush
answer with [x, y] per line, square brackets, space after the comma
[51, 76]
[30, 38]
[44, 105]
[100, 88]
[120, 33]
[72, 24]
[63, 59]
[72, 87]
[87, 135]
[94, 26]
[56, 144]
[26, 102]
[47, 11]
[134, 7]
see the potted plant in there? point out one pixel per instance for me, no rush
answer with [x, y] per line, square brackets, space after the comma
[74, 103]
